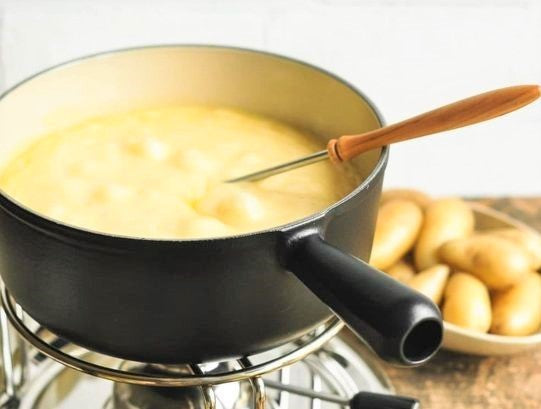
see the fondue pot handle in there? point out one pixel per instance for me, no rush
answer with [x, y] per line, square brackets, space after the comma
[400, 324]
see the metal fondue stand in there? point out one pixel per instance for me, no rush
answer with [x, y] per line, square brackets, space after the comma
[205, 378]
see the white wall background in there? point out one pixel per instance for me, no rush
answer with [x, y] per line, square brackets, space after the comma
[408, 56]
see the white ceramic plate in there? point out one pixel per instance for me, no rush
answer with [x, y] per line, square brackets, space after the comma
[476, 343]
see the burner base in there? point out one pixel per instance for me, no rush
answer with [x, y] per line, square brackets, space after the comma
[339, 370]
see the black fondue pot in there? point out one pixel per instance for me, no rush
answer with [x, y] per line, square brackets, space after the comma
[179, 301]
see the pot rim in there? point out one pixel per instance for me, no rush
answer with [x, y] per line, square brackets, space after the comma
[58, 228]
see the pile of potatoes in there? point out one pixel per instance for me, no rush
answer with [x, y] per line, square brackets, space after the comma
[485, 281]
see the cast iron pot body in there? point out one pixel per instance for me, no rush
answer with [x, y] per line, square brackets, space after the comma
[173, 301]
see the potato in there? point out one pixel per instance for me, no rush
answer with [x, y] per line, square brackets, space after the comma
[498, 262]
[397, 227]
[401, 271]
[517, 310]
[529, 240]
[431, 282]
[419, 198]
[467, 303]
[445, 219]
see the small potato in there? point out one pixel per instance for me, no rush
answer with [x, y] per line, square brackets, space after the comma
[517, 310]
[401, 271]
[397, 228]
[419, 198]
[496, 261]
[431, 282]
[445, 219]
[529, 240]
[467, 303]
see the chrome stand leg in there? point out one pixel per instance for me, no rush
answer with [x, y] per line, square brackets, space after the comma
[283, 396]
[258, 386]
[208, 391]
[12, 382]
[316, 386]
[260, 398]
[210, 397]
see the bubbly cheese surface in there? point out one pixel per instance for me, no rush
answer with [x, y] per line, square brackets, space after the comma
[159, 173]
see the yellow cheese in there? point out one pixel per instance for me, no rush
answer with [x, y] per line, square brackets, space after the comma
[159, 173]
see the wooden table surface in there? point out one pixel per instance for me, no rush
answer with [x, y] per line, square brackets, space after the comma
[457, 381]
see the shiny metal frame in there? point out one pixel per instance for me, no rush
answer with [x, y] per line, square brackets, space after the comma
[309, 349]
[14, 363]
[327, 375]
[247, 371]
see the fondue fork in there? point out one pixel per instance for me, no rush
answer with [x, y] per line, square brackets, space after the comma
[462, 113]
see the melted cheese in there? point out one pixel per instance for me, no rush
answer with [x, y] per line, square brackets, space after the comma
[159, 174]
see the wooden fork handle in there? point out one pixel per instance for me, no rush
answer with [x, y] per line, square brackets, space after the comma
[456, 115]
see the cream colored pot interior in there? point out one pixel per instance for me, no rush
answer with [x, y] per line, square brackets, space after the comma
[260, 83]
